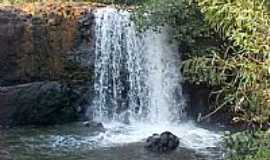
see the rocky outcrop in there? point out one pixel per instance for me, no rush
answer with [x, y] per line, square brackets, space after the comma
[39, 41]
[165, 142]
[4, 154]
[200, 108]
[12, 34]
[94, 125]
[39, 103]
[45, 42]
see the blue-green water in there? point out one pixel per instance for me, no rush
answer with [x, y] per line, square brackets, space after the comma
[77, 142]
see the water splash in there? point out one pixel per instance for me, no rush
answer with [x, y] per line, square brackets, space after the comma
[138, 84]
[119, 74]
[136, 74]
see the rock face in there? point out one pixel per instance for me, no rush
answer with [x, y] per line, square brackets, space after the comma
[43, 44]
[165, 142]
[39, 103]
[38, 40]
[198, 102]
[4, 154]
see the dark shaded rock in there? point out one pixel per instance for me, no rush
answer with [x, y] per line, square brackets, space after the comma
[39, 103]
[55, 44]
[4, 154]
[84, 41]
[44, 42]
[165, 142]
[12, 28]
[94, 125]
[127, 118]
[198, 101]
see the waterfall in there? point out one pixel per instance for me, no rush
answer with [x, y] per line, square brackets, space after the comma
[137, 84]
[137, 75]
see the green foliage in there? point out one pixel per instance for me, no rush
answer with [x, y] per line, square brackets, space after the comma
[126, 2]
[248, 145]
[227, 48]
[244, 22]
[242, 66]
[182, 15]
[233, 61]
[239, 82]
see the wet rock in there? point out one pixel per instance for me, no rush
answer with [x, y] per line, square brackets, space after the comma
[126, 118]
[39, 103]
[4, 155]
[197, 97]
[165, 142]
[94, 125]
[44, 42]
[84, 41]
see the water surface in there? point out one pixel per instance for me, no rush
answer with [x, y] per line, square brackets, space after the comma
[77, 142]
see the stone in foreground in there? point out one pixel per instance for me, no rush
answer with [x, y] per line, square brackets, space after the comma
[97, 126]
[93, 124]
[165, 142]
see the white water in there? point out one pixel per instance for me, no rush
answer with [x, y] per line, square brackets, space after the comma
[138, 85]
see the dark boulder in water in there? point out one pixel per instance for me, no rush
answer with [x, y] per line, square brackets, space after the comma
[38, 103]
[162, 143]
[94, 125]
[4, 155]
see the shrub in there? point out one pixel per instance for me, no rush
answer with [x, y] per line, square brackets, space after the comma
[248, 145]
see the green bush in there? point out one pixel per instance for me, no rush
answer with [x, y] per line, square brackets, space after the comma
[248, 145]
[126, 2]
[241, 65]
[227, 48]
[182, 15]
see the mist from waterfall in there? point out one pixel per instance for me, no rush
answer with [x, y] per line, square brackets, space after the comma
[138, 88]
[137, 75]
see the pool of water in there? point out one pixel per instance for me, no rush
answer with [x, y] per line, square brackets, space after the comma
[117, 142]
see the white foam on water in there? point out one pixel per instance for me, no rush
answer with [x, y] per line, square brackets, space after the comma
[119, 134]
[137, 74]
[138, 91]
[138, 85]
[190, 135]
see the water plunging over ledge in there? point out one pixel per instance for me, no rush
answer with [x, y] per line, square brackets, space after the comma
[137, 79]
[138, 84]
[138, 93]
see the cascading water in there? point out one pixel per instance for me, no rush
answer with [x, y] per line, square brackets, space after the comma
[138, 84]
[136, 75]
[119, 83]
[138, 93]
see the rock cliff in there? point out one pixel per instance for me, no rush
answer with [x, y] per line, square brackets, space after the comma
[45, 45]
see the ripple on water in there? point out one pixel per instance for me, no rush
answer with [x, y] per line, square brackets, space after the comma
[119, 142]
